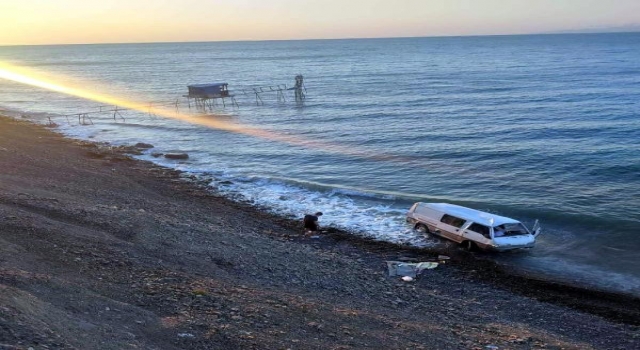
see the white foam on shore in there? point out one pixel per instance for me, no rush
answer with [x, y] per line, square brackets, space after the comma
[366, 214]
[342, 211]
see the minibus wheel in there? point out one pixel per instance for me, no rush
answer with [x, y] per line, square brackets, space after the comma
[469, 246]
[422, 228]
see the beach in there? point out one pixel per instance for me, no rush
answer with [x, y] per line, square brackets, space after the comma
[542, 140]
[102, 251]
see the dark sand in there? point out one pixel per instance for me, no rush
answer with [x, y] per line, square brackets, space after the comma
[99, 251]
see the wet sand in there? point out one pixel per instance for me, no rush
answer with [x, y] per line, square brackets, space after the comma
[101, 251]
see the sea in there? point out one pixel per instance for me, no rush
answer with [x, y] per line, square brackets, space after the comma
[531, 127]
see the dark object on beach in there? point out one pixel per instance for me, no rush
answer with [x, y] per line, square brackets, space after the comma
[143, 145]
[157, 154]
[128, 150]
[176, 156]
[311, 221]
[51, 123]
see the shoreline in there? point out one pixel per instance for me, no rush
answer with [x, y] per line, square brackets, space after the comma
[545, 276]
[166, 229]
[540, 278]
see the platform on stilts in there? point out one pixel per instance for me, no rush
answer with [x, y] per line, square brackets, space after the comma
[205, 96]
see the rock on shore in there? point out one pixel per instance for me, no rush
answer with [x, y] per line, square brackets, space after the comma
[176, 155]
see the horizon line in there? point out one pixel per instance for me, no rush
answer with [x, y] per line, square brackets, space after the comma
[565, 32]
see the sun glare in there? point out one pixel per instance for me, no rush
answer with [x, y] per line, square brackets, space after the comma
[30, 77]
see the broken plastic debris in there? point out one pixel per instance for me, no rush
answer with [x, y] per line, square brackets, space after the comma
[407, 279]
[399, 268]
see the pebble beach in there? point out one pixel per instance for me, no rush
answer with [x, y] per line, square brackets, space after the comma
[102, 251]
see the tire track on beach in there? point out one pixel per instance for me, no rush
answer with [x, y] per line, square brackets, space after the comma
[75, 219]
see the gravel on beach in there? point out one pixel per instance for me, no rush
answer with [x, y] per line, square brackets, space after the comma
[102, 251]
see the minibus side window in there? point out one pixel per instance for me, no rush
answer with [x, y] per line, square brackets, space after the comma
[452, 220]
[481, 229]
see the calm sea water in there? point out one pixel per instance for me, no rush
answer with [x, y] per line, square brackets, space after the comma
[533, 127]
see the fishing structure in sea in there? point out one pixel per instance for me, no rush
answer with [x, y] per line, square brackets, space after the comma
[201, 97]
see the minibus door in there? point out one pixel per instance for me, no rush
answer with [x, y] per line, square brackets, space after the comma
[536, 228]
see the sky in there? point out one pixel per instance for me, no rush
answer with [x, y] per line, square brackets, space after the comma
[35, 22]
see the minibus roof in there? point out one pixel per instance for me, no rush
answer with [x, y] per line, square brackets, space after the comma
[474, 215]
